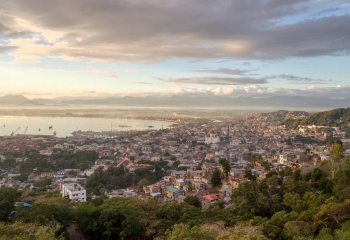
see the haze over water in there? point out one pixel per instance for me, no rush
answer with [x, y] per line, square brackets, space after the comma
[64, 126]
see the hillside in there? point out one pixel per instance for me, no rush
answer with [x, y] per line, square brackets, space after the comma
[13, 99]
[339, 117]
[280, 115]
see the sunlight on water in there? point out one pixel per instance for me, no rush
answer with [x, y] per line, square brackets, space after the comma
[64, 126]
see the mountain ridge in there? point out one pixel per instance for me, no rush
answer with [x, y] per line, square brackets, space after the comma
[186, 101]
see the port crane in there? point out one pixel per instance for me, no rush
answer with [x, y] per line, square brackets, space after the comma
[13, 133]
[25, 131]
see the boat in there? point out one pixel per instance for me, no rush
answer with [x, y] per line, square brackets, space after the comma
[150, 126]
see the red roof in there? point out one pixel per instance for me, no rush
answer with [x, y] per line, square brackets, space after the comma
[211, 197]
[125, 162]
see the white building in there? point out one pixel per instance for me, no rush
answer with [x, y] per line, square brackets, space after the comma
[283, 158]
[212, 138]
[74, 191]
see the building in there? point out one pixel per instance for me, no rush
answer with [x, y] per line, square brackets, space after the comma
[208, 200]
[212, 138]
[73, 191]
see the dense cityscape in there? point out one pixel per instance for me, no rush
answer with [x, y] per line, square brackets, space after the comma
[174, 120]
[203, 163]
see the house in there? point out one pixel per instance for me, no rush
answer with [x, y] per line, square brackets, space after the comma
[47, 175]
[198, 185]
[74, 191]
[225, 192]
[208, 200]
[179, 183]
[172, 192]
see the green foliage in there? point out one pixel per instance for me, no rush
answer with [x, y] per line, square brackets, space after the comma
[8, 197]
[130, 218]
[225, 165]
[173, 213]
[143, 182]
[216, 178]
[333, 214]
[248, 174]
[48, 210]
[255, 158]
[245, 198]
[336, 118]
[193, 201]
[184, 232]
[305, 140]
[28, 231]
[337, 151]
[21, 178]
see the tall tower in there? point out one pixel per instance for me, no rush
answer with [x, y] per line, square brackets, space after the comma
[228, 143]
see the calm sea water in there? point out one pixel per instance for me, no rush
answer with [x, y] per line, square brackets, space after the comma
[64, 126]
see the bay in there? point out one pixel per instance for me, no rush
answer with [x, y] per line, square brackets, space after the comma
[64, 126]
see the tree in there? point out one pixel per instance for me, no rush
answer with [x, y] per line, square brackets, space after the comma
[193, 200]
[225, 165]
[333, 214]
[182, 231]
[255, 158]
[299, 229]
[49, 210]
[143, 182]
[28, 231]
[266, 165]
[245, 198]
[338, 151]
[248, 174]
[8, 197]
[216, 178]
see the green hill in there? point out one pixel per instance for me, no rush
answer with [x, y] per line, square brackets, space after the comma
[339, 117]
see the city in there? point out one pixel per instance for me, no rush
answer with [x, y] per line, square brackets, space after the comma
[174, 120]
[204, 159]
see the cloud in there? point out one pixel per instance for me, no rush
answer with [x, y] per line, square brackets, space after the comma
[226, 71]
[142, 82]
[157, 30]
[133, 71]
[101, 72]
[6, 48]
[259, 91]
[9, 28]
[300, 80]
[256, 91]
[89, 71]
[218, 80]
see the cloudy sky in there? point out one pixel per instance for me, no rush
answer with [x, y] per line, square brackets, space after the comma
[98, 48]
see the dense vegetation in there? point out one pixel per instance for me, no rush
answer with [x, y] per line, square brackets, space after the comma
[58, 161]
[117, 177]
[339, 117]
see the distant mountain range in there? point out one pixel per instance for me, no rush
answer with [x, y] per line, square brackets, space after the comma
[185, 101]
[20, 100]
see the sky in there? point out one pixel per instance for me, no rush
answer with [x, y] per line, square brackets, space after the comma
[111, 48]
